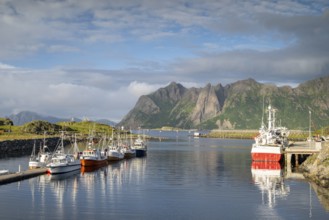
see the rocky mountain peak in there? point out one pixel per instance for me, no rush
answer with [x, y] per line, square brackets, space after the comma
[237, 105]
[207, 105]
[171, 93]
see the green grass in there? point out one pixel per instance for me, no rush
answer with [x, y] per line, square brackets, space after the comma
[8, 132]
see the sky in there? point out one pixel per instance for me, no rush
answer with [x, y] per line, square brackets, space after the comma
[95, 58]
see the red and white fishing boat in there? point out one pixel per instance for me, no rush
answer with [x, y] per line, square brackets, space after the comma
[92, 157]
[271, 141]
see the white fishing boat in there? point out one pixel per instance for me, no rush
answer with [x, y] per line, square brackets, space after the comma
[4, 172]
[140, 147]
[128, 152]
[126, 149]
[41, 158]
[62, 162]
[114, 153]
[271, 141]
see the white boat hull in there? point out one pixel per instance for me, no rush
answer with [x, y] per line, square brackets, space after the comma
[266, 153]
[114, 156]
[64, 168]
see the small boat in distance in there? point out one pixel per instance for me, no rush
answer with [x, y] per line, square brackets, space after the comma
[140, 147]
[271, 141]
[128, 152]
[114, 150]
[126, 149]
[42, 158]
[4, 172]
[62, 162]
[114, 153]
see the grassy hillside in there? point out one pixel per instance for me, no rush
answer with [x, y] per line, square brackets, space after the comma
[36, 129]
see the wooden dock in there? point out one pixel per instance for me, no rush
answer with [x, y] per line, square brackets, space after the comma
[304, 147]
[299, 151]
[13, 177]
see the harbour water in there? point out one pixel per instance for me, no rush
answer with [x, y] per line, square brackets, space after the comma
[180, 178]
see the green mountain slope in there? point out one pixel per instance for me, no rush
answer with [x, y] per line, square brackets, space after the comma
[235, 106]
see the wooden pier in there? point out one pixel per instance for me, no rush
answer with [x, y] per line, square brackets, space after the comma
[299, 151]
[13, 177]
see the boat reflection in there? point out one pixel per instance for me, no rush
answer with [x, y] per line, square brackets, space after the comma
[63, 175]
[268, 177]
[85, 169]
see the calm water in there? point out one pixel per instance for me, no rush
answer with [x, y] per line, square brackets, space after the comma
[182, 178]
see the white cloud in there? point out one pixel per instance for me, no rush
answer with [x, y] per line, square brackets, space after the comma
[138, 89]
[6, 66]
[201, 41]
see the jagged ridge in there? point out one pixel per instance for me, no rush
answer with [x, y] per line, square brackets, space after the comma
[237, 105]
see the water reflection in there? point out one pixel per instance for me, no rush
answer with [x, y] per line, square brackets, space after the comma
[268, 177]
[61, 188]
[322, 194]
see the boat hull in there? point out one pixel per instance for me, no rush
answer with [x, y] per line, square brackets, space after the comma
[91, 163]
[272, 157]
[57, 169]
[129, 155]
[266, 153]
[114, 158]
[140, 152]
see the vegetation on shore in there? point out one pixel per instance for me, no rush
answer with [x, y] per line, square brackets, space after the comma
[294, 135]
[36, 129]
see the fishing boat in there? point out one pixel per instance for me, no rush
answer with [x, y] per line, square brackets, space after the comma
[93, 156]
[4, 172]
[271, 141]
[128, 152]
[126, 149]
[140, 147]
[41, 158]
[114, 153]
[62, 162]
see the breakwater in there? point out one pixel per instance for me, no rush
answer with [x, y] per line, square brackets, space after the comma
[25, 147]
[13, 177]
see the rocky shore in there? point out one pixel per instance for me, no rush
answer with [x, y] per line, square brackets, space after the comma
[316, 167]
[24, 147]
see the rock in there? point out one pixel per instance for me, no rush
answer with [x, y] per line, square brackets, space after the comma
[316, 167]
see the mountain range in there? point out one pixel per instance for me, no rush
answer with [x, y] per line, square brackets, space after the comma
[239, 105]
[28, 116]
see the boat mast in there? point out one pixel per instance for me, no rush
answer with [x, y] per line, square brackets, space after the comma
[263, 125]
[269, 117]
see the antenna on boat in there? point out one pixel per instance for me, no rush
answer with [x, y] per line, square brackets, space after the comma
[263, 114]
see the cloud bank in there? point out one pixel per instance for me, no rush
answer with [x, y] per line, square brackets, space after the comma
[95, 58]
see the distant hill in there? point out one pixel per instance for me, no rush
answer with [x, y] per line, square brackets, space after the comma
[28, 116]
[106, 122]
[235, 106]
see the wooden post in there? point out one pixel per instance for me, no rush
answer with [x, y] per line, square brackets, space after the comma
[296, 160]
[288, 163]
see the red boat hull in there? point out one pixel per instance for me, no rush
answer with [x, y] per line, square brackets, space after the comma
[261, 165]
[91, 163]
[266, 157]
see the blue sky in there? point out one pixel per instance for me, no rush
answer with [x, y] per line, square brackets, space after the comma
[94, 58]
